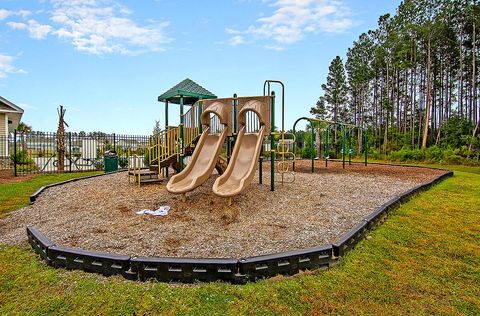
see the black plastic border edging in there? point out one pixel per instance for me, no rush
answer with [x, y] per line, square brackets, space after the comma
[189, 270]
[37, 193]
[186, 270]
[286, 263]
[352, 237]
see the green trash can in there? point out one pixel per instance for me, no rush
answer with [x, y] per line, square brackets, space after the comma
[110, 161]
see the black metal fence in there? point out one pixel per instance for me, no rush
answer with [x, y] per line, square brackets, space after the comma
[45, 152]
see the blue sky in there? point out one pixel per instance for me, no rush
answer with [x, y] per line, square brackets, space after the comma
[107, 61]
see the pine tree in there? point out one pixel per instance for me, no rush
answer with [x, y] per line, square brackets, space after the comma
[336, 93]
[336, 89]
[409, 76]
[320, 110]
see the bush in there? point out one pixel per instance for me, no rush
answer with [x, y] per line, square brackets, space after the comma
[433, 154]
[24, 162]
[27, 167]
[146, 158]
[21, 158]
[98, 163]
[375, 154]
[123, 162]
[454, 159]
[405, 154]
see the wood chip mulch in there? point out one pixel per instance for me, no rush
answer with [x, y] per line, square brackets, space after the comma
[99, 213]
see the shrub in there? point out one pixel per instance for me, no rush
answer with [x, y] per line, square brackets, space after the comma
[21, 158]
[123, 162]
[404, 154]
[464, 152]
[454, 159]
[24, 162]
[375, 154]
[27, 167]
[98, 163]
[307, 152]
[146, 158]
[417, 154]
[433, 154]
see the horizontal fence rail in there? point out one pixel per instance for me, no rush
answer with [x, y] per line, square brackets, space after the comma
[45, 152]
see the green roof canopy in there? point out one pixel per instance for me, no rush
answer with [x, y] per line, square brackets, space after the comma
[190, 90]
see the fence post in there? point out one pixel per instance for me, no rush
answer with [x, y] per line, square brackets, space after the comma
[272, 141]
[15, 152]
[70, 150]
[114, 142]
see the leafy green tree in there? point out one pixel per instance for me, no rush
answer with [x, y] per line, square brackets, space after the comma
[454, 132]
[24, 128]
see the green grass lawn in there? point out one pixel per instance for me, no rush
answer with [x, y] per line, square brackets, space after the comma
[425, 259]
[16, 195]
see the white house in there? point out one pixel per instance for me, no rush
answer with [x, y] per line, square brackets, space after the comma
[10, 116]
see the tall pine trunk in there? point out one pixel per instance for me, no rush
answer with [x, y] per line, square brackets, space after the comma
[429, 90]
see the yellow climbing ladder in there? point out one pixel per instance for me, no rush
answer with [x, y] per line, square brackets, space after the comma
[285, 150]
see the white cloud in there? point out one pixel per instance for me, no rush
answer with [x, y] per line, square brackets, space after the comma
[7, 13]
[95, 27]
[35, 29]
[273, 47]
[232, 31]
[292, 20]
[17, 25]
[101, 27]
[7, 67]
[236, 40]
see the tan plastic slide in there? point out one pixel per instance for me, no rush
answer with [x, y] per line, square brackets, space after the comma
[243, 162]
[242, 165]
[204, 156]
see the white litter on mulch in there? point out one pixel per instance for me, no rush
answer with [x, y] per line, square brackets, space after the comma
[162, 211]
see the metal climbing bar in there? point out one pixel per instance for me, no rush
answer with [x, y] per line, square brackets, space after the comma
[343, 128]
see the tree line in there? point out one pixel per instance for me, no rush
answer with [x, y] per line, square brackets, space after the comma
[413, 80]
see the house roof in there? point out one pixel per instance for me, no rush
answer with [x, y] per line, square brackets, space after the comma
[189, 89]
[13, 112]
[7, 106]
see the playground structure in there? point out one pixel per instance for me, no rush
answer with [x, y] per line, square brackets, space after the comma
[279, 234]
[207, 148]
[241, 168]
[203, 130]
[247, 126]
[325, 128]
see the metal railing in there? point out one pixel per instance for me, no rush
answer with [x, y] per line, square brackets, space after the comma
[45, 152]
[252, 122]
[191, 124]
[164, 145]
[168, 143]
